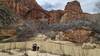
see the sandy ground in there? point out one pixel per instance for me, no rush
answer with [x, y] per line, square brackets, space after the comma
[29, 52]
[52, 47]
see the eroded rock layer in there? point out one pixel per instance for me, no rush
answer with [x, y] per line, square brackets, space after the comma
[30, 10]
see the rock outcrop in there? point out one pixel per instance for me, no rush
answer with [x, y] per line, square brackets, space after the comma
[72, 11]
[55, 16]
[26, 9]
[77, 35]
[74, 35]
[7, 32]
[73, 6]
[21, 7]
[7, 22]
[31, 10]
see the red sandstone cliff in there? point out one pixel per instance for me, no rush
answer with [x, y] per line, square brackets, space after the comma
[27, 9]
[73, 10]
[31, 10]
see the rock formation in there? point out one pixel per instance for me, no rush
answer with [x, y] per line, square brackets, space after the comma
[32, 11]
[26, 9]
[7, 22]
[72, 11]
[73, 6]
[20, 7]
[77, 35]
[55, 16]
[74, 35]
[29, 9]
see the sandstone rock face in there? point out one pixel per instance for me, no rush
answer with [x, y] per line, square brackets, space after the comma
[55, 16]
[7, 32]
[72, 16]
[72, 11]
[7, 22]
[20, 7]
[32, 11]
[24, 10]
[27, 9]
[76, 35]
[74, 6]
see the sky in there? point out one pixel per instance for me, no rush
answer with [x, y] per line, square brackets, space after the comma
[88, 6]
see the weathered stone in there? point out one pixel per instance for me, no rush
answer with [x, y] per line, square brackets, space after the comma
[55, 16]
[32, 11]
[7, 32]
[75, 35]
[72, 11]
[73, 6]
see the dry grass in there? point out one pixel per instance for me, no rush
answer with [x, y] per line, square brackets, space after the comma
[54, 47]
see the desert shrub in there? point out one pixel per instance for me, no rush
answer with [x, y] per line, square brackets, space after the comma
[71, 25]
[97, 36]
[32, 27]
